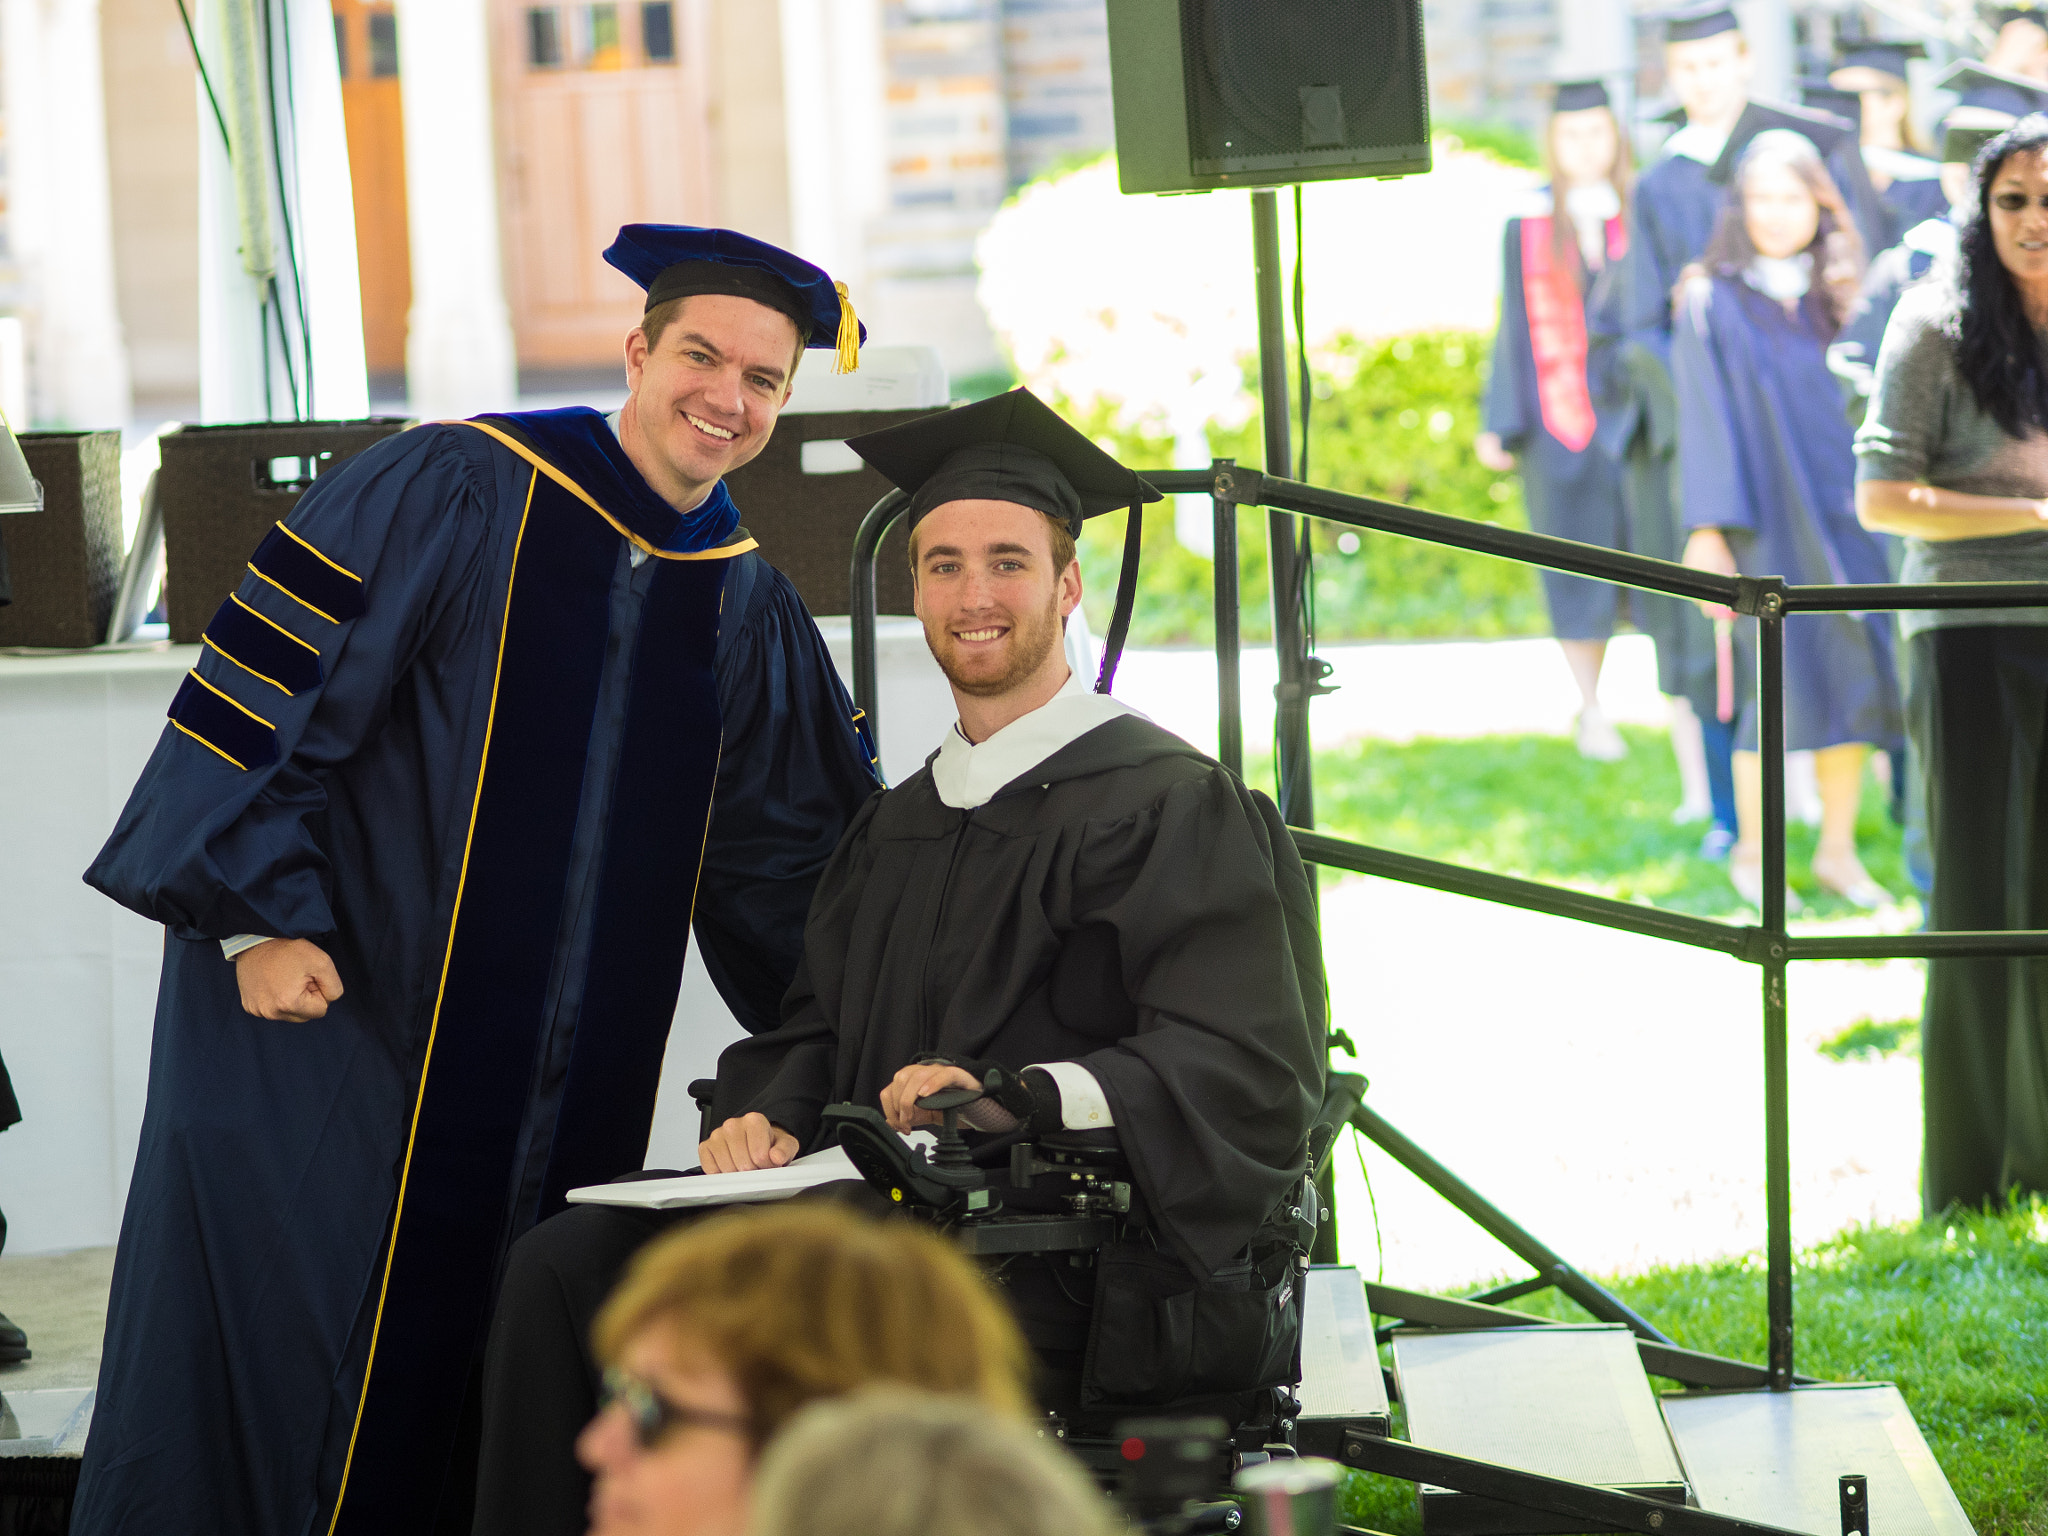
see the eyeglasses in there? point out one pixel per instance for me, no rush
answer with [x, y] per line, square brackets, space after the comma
[653, 1415]
[2015, 202]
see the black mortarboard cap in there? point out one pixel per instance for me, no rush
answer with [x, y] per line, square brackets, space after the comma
[1009, 447]
[1993, 88]
[1823, 130]
[1833, 100]
[1014, 448]
[2004, 15]
[1968, 129]
[1887, 58]
[1690, 23]
[1579, 96]
[678, 261]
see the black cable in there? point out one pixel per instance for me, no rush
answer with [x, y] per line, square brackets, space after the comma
[284, 347]
[206, 80]
[263, 330]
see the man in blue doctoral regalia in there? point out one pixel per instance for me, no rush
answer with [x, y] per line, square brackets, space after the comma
[502, 708]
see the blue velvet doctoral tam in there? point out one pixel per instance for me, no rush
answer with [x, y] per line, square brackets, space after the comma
[451, 730]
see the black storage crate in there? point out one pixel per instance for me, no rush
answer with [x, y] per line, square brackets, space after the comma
[222, 487]
[65, 559]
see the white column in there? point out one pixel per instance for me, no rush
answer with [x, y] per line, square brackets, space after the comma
[59, 216]
[459, 356]
[326, 216]
[833, 93]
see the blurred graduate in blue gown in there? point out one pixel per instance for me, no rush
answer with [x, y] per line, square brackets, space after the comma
[1708, 66]
[1541, 413]
[501, 711]
[1769, 479]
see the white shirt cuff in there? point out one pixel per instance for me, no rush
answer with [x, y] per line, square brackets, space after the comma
[1082, 1106]
[241, 941]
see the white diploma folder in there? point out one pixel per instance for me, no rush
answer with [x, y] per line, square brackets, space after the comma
[830, 1166]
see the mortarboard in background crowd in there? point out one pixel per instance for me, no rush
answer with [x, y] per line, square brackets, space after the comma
[1869, 64]
[1979, 86]
[1690, 23]
[1579, 96]
[1968, 129]
[1820, 96]
[1823, 130]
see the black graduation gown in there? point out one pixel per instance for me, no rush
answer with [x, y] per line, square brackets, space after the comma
[450, 732]
[1572, 492]
[1127, 904]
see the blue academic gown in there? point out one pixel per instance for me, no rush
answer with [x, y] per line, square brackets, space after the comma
[1765, 454]
[1572, 493]
[448, 730]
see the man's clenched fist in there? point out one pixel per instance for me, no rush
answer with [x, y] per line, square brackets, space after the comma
[288, 979]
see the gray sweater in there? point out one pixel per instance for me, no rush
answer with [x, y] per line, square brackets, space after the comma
[1924, 425]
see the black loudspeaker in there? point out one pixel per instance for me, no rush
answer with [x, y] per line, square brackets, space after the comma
[1260, 93]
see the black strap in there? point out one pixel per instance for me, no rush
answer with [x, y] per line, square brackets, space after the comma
[1126, 598]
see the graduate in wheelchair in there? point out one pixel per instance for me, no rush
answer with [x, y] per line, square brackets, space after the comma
[1084, 951]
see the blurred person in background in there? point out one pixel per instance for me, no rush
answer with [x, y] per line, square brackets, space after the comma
[886, 1462]
[1953, 457]
[2021, 46]
[1768, 478]
[723, 1330]
[1904, 175]
[1540, 414]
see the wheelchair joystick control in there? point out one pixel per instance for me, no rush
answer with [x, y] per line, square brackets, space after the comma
[951, 1151]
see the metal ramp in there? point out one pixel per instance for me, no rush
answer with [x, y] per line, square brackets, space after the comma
[1566, 1401]
[1342, 1387]
[1780, 1456]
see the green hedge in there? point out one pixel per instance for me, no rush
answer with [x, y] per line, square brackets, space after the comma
[1392, 418]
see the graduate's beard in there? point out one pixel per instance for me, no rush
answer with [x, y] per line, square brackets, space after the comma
[1033, 637]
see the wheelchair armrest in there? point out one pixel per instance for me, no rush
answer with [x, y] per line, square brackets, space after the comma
[1096, 1148]
[702, 1089]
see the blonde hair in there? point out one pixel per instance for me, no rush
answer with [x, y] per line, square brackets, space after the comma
[886, 1462]
[799, 1302]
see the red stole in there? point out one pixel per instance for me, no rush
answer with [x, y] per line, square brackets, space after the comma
[1557, 332]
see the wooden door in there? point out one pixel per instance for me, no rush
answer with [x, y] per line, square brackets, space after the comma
[366, 37]
[604, 120]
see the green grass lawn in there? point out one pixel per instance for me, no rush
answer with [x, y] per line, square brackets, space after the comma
[1957, 1317]
[1531, 806]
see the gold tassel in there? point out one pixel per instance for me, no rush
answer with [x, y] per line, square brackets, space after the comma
[848, 360]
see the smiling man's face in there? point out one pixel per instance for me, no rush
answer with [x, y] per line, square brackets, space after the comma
[991, 595]
[705, 396]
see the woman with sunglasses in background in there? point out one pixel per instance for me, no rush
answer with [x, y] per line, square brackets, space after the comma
[725, 1328]
[1953, 456]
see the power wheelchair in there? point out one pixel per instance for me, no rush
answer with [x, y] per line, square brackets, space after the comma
[1174, 1361]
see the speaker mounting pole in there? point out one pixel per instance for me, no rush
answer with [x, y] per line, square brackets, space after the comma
[1288, 570]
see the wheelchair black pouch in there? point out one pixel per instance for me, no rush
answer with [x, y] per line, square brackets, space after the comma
[1161, 1333]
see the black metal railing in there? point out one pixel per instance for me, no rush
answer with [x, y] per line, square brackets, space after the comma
[1767, 599]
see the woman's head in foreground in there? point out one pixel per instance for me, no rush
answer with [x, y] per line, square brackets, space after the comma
[889, 1462]
[722, 1331]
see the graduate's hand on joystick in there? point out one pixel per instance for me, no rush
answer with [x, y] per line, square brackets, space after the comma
[287, 979]
[744, 1144]
[899, 1099]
